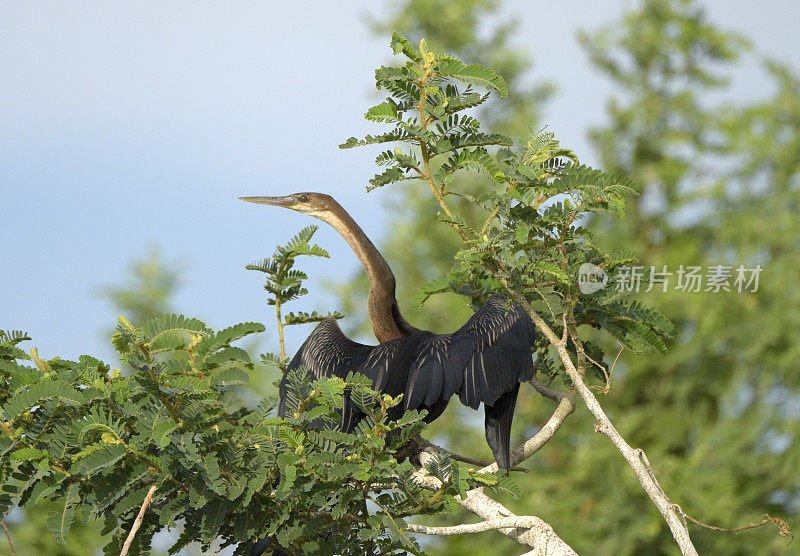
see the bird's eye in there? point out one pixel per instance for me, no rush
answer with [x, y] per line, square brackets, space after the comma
[303, 198]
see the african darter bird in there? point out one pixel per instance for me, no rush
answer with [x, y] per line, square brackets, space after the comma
[483, 361]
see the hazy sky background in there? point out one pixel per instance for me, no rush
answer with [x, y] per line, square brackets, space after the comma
[125, 125]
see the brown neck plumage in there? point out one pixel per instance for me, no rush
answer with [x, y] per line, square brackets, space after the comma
[387, 322]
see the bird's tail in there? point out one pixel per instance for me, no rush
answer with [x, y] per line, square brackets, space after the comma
[498, 426]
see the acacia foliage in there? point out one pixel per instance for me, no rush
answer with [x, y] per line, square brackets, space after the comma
[531, 244]
[95, 440]
[284, 283]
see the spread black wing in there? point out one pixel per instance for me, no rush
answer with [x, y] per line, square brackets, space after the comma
[326, 352]
[483, 362]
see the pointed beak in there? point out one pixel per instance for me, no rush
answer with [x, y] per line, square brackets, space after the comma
[286, 201]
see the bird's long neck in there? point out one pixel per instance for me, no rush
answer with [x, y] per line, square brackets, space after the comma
[387, 322]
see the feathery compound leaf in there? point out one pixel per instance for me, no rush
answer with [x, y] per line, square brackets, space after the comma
[230, 375]
[213, 476]
[437, 285]
[299, 245]
[390, 137]
[161, 432]
[439, 465]
[305, 318]
[170, 322]
[213, 514]
[464, 102]
[231, 334]
[473, 73]
[399, 531]
[400, 44]
[9, 352]
[171, 340]
[390, 175]
[37, 393]
[60, 522]
[104, 457]
[28, 454]
[470, 139]
[473, 159]
[13, 337]
[507, 485]
[388, 111]
[98, 421]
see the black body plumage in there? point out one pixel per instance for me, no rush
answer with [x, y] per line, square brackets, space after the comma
[483, 362]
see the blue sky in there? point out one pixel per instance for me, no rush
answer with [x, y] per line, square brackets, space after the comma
[126, 125]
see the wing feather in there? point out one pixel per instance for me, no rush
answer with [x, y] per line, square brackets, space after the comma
[480, 362]
[326, 352]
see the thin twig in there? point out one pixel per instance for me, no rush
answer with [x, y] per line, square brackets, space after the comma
[783, 527]
[425, 445]
[607, 388]
[138, 521]
[8, 536]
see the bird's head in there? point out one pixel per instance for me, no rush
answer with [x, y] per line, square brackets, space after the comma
[318, 205]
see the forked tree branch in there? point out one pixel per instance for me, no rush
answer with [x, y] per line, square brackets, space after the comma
[531, 531]
[528, 530]
[634, 457]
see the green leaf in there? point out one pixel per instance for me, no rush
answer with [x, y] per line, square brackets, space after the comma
[106, 456]
[227, 354]
[400, 44]
[227, 336]
[255, 484]
[230, 375]
[45, 487]
[170, 340]
[14, 337]
[163, 323]
[161, 432]
[213, 515]
[132, 499]
[59, 522]
[473, 73]
[507, 485]
[213, 476]
[390, 175]
[111, 487]
[397, 529]
[437, 285]
[388, 111]
[474, 159]
[292, 319]
[28, 454]
[38, 393]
